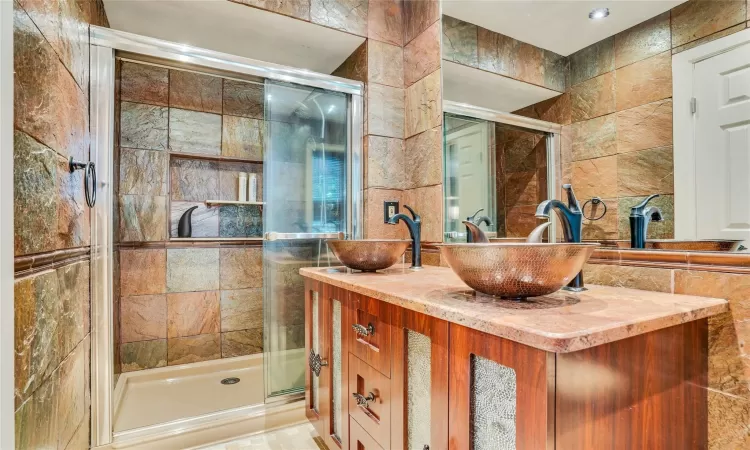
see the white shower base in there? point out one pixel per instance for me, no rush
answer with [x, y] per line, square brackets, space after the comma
[167, 394]
[184, 407]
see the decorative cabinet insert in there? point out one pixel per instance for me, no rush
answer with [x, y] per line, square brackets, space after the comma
[326, 402]
[385, 377]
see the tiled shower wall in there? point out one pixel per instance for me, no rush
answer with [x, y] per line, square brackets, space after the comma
[167, 112]
[183, 305]
[182, 302]
[52, 301]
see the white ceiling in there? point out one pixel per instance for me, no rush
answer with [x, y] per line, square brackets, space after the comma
[562, 26]
[237, 29]
[476, 87]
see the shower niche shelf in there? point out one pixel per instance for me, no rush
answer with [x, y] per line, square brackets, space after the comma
[211, 203]
[217, 158]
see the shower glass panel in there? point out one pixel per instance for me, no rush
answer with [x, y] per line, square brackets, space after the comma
[305, 193]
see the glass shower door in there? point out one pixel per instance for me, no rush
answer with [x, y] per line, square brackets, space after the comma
[305, 193]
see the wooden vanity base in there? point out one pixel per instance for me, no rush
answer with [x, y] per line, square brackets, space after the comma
[642, 392]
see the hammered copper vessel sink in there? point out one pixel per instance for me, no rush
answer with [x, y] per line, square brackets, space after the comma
[369, 255]
[516, 271]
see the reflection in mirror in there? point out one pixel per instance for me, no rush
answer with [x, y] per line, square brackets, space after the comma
[495, 176]
[608, 81]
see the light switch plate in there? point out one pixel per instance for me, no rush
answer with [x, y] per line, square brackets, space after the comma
[390, 209]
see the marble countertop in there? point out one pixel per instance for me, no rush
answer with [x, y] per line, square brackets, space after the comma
[562, 322]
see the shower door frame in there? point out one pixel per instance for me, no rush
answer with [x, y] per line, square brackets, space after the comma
[103, 44]
[551, 129]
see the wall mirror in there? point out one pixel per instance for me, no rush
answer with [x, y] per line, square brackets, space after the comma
[497, 170]
[647, 101]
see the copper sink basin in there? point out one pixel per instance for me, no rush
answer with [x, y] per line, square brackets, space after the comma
[516, 271]
[369, 255]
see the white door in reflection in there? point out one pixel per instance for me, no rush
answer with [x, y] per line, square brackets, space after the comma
[470, 174]
[722, 145]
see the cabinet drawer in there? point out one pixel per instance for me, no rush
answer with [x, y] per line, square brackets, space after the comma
[359, 439]
[373, 343]
[371, 407]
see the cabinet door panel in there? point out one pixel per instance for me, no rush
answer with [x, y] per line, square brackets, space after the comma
[374, 348]
[420, 381]
[314, 346]
[501, 393]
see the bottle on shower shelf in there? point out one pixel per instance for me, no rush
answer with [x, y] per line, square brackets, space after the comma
[252, 187]
[242, 187]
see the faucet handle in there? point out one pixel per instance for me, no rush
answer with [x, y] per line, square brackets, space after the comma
[473, 216]
[654, 214]
[640, 209]
[414, 215]
[573, 204]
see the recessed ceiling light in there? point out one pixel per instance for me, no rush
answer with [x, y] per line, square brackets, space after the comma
[599, 13]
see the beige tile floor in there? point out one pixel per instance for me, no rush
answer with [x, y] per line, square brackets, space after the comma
[298, 437]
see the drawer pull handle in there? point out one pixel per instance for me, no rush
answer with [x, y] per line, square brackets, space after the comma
[316, 362]
[362, 400]
[362, 330]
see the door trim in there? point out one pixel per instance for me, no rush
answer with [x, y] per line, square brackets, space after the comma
[7, 312]
[683, 66]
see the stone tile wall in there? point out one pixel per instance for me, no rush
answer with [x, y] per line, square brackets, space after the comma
[617, 113]
[350, 16]
[52, 302]
[474, 46]
[400, 65]
[183, 305]
[164, 112]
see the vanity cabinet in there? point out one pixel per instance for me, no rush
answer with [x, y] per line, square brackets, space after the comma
[385, 377]
[392, 391]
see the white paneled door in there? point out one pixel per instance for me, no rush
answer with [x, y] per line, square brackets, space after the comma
[721, 87]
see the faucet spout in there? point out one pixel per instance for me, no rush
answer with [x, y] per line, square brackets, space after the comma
[572, 221]
[571, 218]
[476, 221]
[475, 233]
[414, 224]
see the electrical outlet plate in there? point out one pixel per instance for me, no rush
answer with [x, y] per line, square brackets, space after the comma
[390, 209]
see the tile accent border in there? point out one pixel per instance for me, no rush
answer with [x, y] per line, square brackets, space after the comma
[703, 261]
[30, 264]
